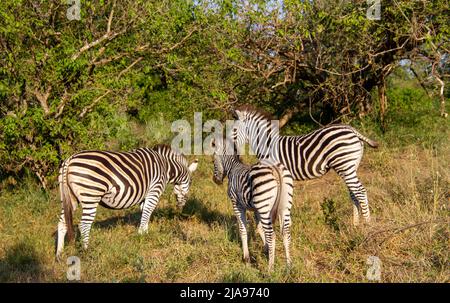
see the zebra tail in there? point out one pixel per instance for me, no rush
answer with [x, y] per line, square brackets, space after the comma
[277, 206]
[67, 204]
[372, 143]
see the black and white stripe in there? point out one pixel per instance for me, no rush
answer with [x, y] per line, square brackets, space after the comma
[338, 147]
[118, 180]
[265, 188]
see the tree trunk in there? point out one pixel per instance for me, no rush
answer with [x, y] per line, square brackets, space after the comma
[288, 115]
[383, 102]
[441, 96]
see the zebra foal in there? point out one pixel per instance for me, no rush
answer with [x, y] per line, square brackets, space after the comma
[118, 180]
[339, 147]
[265, 188]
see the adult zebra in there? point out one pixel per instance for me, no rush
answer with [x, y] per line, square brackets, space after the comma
[118, 180]
[338, 147]
[265, 187]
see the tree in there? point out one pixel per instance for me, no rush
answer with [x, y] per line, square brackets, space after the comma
[62, 82]
[326, 56]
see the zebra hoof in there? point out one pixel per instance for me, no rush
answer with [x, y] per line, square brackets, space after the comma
[142, 231]
[288, 264]
[367, 222]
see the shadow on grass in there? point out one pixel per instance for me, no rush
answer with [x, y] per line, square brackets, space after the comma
[193, 207]
[134, 218]
[21, 264]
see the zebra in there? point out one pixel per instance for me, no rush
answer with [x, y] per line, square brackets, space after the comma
[337, 146]
[266, 188]
[118, 180]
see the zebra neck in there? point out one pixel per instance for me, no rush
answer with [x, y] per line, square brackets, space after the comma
[173, 169]
[264, 143]
[231, 162]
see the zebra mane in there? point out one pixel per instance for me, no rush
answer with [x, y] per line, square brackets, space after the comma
[230, 143]
[249, 108]
[166, 150]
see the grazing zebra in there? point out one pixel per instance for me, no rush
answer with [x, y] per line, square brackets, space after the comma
[265, 188]
[338, 147]
[118, 180]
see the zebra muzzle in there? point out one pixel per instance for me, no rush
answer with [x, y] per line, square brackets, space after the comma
[217, 180]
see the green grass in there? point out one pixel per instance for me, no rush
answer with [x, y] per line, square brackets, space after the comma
[407, 180]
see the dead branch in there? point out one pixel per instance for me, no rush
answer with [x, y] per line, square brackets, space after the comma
[442, 84]
[397, 230]
[108, 36]
[130, 66]
[43, 98]
[64, 100]
[90, 106]
[111, 14]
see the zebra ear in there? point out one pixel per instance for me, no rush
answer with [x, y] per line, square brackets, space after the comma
[193, 166]
[234, 114]
[237, 114]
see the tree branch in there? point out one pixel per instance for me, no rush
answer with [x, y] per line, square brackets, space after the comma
[108, 36]
[90, 106]
[42, 98]
[130, 66]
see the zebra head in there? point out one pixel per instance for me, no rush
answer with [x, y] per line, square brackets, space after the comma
[178, 171]
[258, 128]
[239, 133]
[183, 183]
[224, 152]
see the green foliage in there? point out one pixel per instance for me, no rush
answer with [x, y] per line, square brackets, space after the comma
[119, 76]
[411, 118]
[329, 213]
[65, 87]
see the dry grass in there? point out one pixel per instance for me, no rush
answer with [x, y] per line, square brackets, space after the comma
[408, 191]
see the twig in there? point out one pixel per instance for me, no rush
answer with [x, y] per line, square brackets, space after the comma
[89, 107]
[129, 67]
[108, 36]
[396, 230]
[60, 108]
[42, 98]
[108, 28]
[181, 41]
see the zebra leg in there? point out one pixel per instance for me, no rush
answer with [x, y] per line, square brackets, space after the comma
[286, 233]
[61, 234]
[358, 194]
[285, 215]
[147, 208]
[270, 239]
[260, 230]
[242, 222]
[356, 209]
[87, 218]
